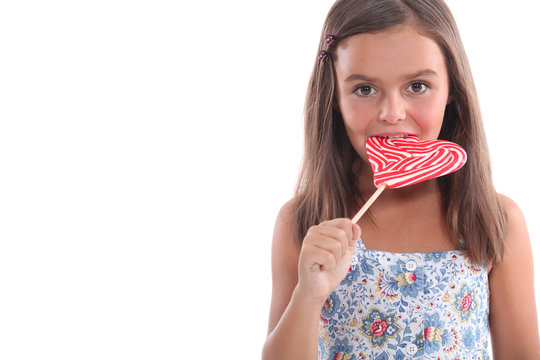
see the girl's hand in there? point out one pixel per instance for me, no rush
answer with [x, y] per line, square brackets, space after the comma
[325, 258]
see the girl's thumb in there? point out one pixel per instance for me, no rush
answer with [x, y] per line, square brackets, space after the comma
[356, 233]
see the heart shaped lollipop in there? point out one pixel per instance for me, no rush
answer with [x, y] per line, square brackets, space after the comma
[407, 161]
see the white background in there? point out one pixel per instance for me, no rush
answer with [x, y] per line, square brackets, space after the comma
[146, 147]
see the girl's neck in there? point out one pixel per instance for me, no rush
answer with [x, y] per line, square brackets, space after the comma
[408, 219]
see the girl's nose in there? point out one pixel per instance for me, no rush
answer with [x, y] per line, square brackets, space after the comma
[392, 109]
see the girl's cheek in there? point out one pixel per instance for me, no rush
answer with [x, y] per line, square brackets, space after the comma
[358, 141]
[357, 118]
[429, 119]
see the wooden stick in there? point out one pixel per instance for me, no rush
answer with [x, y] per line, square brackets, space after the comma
[368, 203]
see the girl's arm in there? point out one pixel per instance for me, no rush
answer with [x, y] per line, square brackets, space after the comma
[300, 286]
[513, 319]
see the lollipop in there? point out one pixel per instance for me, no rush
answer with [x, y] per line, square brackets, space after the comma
[398, 162]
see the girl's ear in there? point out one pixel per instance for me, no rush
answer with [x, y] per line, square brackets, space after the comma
[450, 99]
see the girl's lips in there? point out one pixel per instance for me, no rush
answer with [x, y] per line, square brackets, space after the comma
[394, 135]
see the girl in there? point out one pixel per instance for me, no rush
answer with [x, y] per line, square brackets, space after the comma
[442, 267]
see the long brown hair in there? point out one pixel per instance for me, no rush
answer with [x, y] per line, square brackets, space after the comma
[327, 187]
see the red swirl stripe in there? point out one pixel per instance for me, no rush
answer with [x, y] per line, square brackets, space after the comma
[407, 161]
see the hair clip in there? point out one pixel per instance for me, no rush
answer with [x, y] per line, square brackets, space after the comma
[330, 39]
[324, 56]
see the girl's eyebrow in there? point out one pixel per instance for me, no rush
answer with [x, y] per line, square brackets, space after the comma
[361, 77]
[425, 72]
[356, 77]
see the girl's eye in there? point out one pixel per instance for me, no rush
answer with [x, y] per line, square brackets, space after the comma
[365, 90]
[417, 87]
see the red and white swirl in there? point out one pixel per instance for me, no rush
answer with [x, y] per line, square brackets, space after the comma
[407, 161]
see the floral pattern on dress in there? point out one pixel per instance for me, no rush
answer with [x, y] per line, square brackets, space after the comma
[465, 302]
[434, 332]
[378, 327]
[386, 308]
[352, 275]
[331, 305]
[435, 256]
[342, 350]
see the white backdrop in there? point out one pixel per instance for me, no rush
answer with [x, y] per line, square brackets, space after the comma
[147, 146]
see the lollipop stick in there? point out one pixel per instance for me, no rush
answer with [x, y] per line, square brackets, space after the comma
[368, 203]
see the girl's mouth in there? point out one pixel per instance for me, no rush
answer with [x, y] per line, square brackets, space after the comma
[395, 135]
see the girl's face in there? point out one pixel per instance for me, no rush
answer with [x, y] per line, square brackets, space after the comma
[391, 83]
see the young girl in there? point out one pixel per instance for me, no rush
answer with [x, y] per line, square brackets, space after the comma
[443, 267]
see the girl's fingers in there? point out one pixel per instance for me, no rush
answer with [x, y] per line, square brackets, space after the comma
[321, 259]
[342, 223]
[353, 230]
[357, 231]
[326, 254]
[335, 237]
[329, 238]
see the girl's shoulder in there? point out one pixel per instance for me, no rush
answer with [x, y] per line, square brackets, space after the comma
[514, 215]
[283, 227]
[285, 250]
[286, 211]
[517, 244]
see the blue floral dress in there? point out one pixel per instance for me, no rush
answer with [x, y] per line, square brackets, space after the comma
[407, 306]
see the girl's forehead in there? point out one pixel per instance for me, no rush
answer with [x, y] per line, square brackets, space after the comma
[396, 49]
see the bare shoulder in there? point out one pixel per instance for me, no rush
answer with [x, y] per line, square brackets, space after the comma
[283, 225]
[283, 243]
[285, 254]
[514, 213]
[285, 250]
[517, 227]
[517, 242]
